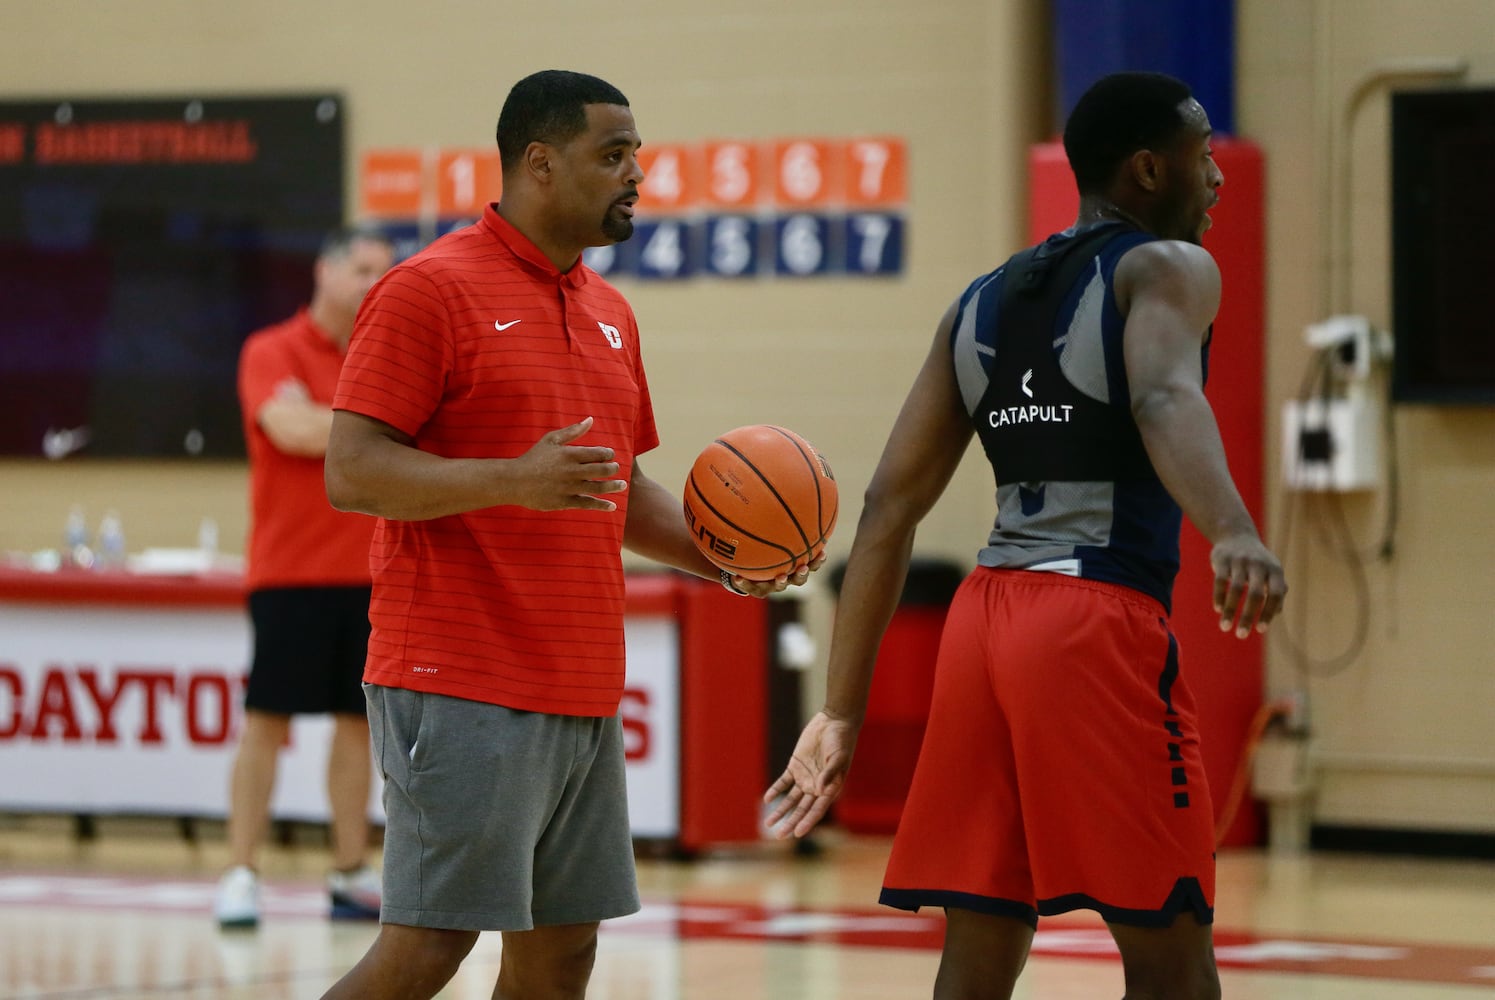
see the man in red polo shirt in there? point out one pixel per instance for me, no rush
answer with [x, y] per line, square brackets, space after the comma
[308, 581]
[491, 412]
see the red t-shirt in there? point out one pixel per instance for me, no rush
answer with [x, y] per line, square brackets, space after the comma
[296, 539]
[476, 347]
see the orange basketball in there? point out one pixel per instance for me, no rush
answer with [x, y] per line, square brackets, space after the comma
[760, 501]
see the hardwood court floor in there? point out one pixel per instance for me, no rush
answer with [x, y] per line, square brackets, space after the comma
[125, 917]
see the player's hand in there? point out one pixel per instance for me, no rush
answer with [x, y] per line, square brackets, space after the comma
[762, 588]
[1249, 584]
[814, 778]
[557, 475]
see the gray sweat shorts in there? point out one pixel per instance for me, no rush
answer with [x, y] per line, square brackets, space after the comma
[499, 819]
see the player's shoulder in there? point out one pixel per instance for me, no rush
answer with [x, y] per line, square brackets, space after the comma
[1168, 270]
[1166, 264]
[1167, 258]
[986, 281]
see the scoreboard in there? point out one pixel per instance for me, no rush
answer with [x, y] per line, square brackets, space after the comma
[140, 242]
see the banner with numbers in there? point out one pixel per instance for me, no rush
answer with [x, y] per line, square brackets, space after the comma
[416, 195]
[722, 208]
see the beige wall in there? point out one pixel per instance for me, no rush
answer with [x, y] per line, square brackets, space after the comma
[1402, 731]
[831, 358]
[962, 80]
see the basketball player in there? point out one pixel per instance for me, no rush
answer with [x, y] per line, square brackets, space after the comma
[491, 413]
[1060, 767]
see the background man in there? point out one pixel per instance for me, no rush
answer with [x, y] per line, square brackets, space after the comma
[308, 581]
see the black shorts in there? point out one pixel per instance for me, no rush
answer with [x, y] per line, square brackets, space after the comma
[310, 644]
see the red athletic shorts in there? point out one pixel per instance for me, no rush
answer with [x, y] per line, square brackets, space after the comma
[1060, 768]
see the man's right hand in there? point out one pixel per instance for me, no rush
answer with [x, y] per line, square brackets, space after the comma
[557, 475]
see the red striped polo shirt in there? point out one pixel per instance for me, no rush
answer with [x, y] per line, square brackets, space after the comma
[476, 347]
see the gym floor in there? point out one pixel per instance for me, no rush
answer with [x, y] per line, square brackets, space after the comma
[124, 915]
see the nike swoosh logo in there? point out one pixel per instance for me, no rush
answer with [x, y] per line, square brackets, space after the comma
[504, 326]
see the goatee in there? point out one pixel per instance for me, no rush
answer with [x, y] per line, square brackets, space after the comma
[617, 230]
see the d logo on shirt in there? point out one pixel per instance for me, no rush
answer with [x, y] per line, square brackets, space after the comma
[614, 338]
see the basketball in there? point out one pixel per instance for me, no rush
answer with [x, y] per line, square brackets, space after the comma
[760, 501]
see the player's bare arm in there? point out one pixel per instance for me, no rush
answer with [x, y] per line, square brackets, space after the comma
[922, 453]
[374, 468]
[1170, 292]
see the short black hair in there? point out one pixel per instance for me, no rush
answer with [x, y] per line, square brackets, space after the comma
[339, 241]
[1117, 116]
[549, 106]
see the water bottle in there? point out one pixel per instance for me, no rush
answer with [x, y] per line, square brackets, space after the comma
[75, 550]
[111, 542]
[207, 542]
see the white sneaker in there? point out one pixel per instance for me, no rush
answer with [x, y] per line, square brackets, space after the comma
[237, 902]
[356, 895]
